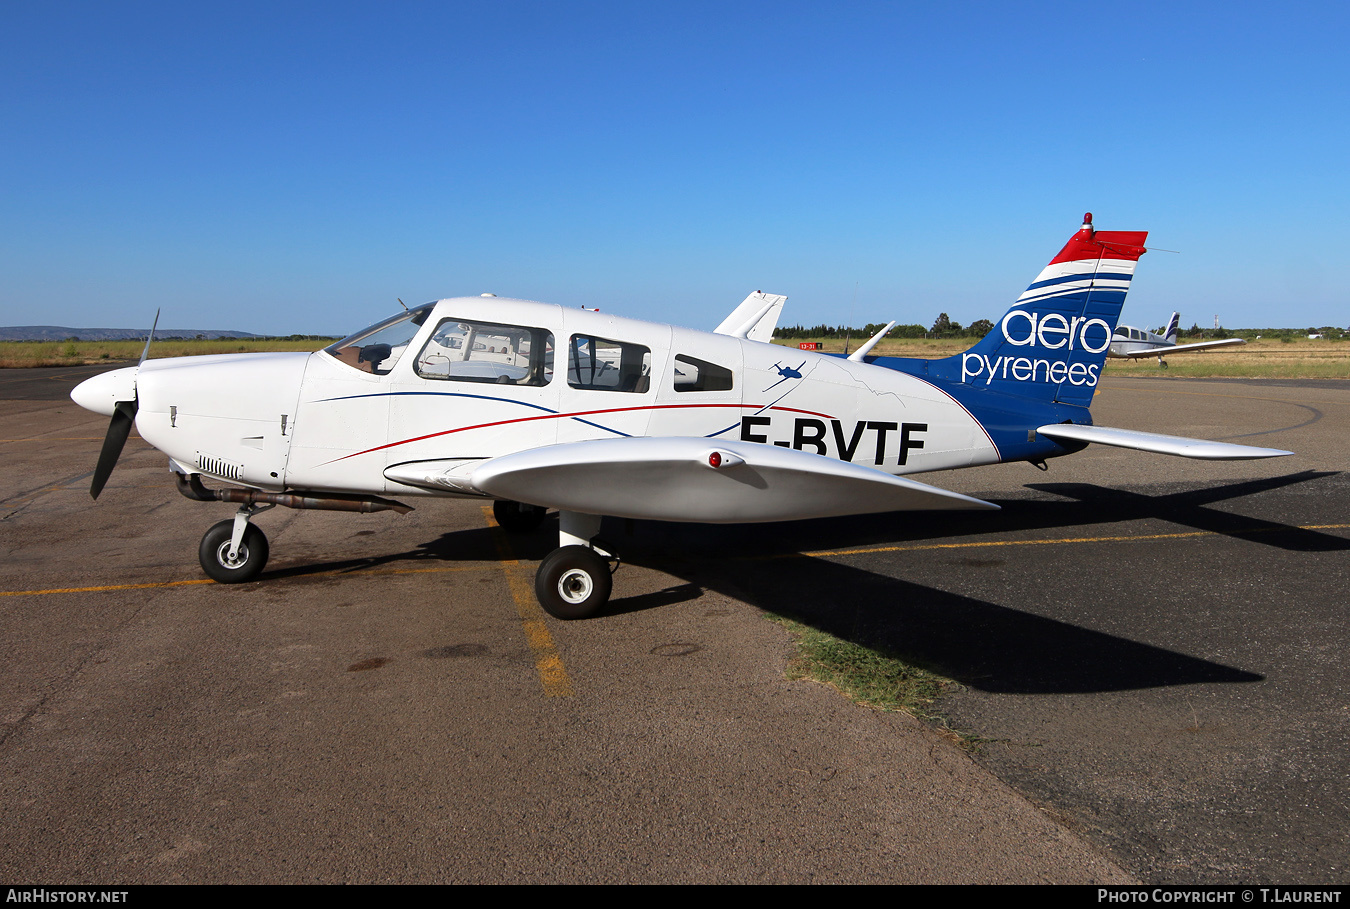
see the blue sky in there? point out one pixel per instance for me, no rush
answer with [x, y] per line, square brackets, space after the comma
[294, 167]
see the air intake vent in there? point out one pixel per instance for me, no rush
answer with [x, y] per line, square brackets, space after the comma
[219, 467]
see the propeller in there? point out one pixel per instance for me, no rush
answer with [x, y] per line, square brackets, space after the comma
[123, 418]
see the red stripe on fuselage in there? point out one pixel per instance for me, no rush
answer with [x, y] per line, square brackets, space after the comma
[566, 416]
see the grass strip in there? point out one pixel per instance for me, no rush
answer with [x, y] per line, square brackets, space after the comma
[870, 676]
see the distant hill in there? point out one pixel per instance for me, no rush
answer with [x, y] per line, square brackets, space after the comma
[58, 333]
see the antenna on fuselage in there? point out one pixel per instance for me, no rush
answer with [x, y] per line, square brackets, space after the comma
[401, 303]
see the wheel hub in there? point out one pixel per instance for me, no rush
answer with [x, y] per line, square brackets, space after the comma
[575, 585]
[223, 555]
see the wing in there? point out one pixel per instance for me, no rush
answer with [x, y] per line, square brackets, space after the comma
[755, 318]
[1155, 442]
[1179, 348]
[700, 480]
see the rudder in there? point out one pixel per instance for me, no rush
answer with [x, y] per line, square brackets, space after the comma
[1173, 328]
[1050, 346]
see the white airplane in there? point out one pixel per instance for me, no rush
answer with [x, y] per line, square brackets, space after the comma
[539, 407]
[1132, 343]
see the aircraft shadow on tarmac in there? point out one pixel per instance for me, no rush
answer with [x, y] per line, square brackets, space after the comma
[984, 645]
[1082, 505]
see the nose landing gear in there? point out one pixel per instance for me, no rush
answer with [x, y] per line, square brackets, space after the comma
[234, 551]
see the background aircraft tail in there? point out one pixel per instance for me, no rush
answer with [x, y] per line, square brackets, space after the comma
[1173, 328]
[1050, 346]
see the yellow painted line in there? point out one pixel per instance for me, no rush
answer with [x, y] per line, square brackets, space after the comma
[530, 612]
[155, 584]
[547, 660]
[1142, 538]
[50, 590]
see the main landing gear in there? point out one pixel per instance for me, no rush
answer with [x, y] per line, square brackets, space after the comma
[518, 517]
[574, 580]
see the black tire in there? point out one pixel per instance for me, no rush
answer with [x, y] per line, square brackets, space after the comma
[214, 554]
[517, 517]
[573, 583]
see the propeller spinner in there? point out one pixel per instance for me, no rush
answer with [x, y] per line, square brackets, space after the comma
[114, 394]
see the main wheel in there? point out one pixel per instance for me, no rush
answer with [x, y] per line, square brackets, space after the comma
[517, 517]
[573, 583]
[248, 562]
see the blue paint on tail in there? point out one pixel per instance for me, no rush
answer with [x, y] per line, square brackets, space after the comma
[1043, 359]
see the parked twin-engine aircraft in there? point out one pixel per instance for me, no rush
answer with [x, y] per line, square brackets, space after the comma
[538, 407]
[1132, 343]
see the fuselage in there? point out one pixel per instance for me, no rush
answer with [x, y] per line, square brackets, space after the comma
[1127, 341]
[472, 378]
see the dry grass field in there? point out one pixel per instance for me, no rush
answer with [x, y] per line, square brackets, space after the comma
[1263, 359]
[15, 354]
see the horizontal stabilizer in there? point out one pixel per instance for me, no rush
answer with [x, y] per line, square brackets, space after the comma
[703, 480]
[857, 355]
[1160, 444]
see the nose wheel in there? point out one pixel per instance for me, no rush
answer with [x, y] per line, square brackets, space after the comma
[228, 560]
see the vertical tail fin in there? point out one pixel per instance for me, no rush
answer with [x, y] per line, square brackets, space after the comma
[1051, 345]
[1173, 328]
[755, 318]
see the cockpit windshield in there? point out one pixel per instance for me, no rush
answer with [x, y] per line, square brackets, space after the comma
[376, 349]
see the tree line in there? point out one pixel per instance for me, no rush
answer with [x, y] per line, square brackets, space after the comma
[943, 327]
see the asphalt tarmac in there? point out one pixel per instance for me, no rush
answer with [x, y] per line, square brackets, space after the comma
[1150, 647]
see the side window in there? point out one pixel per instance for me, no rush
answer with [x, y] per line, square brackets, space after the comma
[464, 351]
[599, 364]
[692, 374]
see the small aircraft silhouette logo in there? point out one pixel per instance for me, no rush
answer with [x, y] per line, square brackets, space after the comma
[787, 372]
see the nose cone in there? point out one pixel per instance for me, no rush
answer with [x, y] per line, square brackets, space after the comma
[101, 393]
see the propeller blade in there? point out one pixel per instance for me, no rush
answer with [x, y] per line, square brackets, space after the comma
[124, 415]
[145, 353]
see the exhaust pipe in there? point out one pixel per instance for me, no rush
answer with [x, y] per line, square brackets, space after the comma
[191, 486]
